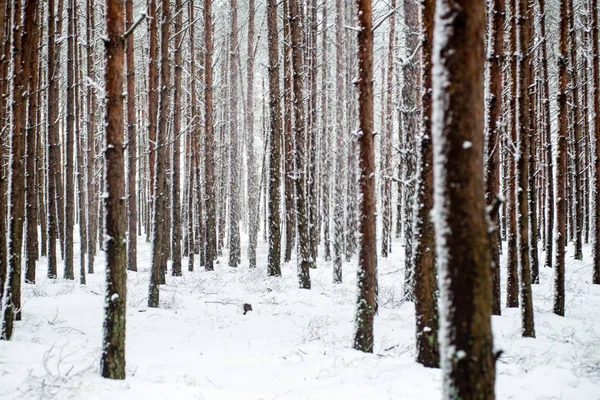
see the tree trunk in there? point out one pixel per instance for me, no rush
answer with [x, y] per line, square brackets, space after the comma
[176, 173]
[425, 288]
[160, 244]
[274, 267]
[91, 137]
[522, 125]
[561, 161]
[461, 225]
[131, 145]
[69, 184]
[290, 214]
[211, 218]
[596, 140]
[304, 254]
[253, 219]
[234, 172]
[493, 134]
[112, 363]
[22, 46]
[367, 253]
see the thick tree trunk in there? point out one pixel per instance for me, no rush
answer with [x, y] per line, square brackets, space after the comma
[112, 362]
[461, 225]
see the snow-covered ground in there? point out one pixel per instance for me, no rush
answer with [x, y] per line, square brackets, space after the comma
[296, 344]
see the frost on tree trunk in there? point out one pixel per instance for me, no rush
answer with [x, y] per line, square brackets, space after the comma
[304, 254]
[459, 204]
[561, 163]
[131, 146]
[512, 278]
[160, 243]
[209, 162]
[425, 288]
[112, 362]
[410, 115]
[338, 204]
[522, 126]
[367, 247]
[274, 257]
[493, 132]
[596, 140]
[22, 44]
[234, 198]
[175, 173]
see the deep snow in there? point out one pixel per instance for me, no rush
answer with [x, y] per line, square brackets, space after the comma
[296, 344]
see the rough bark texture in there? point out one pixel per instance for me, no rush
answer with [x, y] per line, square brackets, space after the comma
[91, 146]
[234, 170]
[596, 140]
[112, 363]
[410, 110]
[522, 121]
[512, 263]
[209, 162]
[22, 40]
[274, 257]
[493, 135]
[176, 172]
[425, 288]
[160, 244]
[304, 255]
[367, 252]
[252, 176]
[290, 214]
[131, 146]
[461, 225]
[338, 204]
[69, 182]
[561, 163]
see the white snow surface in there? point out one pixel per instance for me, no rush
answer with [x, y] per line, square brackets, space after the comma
[296, 344]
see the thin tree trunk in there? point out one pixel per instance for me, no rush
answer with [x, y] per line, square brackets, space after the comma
[176, 173]
[290, 214]
[425, 288]
[367, 253]
[160, 244]
[131, 145]
[596, 141]
[234, 171]
[252, 177]
[274, 261]
[492, 129]
[91, 130]
[522, 125]
[209, 153]
[304, 255]
[69, 182]
[561, 161]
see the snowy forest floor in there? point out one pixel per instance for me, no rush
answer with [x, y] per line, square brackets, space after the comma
[296, 344]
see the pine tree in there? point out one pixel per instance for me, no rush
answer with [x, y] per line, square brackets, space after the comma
[132, 217]
[176, 171]
[112, 363]
[274, 257]
[461, 226]
[425, 288]
[595, 138]
[367, 253]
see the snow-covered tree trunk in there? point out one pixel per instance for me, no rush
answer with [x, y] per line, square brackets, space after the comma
[274, 257]
[112, 363]
[461, 225]
[596, 140]
[425, 288]
[209, 153]
[367, 247]
[131, 145]
[493, 126]
[561, 161]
